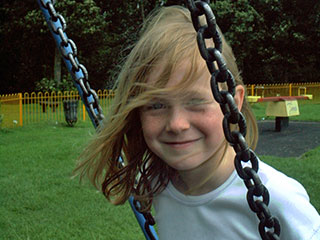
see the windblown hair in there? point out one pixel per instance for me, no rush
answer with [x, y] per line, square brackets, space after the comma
[168, 37]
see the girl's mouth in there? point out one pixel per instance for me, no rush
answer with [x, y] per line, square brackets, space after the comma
[181, 144]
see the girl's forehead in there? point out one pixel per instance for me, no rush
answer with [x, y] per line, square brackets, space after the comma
[185, 96]
[178, 75]
[176, 88]
[155, 73]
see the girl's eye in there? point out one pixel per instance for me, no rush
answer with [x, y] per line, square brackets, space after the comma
[195, 101]
[156, 106]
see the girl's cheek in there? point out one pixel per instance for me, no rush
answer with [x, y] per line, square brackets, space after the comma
[150, 124]
[210, 120]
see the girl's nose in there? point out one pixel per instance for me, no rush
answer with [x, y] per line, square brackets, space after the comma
[177, 121]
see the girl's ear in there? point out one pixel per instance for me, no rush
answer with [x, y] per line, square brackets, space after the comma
[239, 96]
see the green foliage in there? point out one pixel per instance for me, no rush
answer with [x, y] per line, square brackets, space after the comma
[46, 85]
[22, 65]
[50, 85]
[273, 40]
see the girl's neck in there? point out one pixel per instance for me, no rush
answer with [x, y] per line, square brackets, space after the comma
[208, 176]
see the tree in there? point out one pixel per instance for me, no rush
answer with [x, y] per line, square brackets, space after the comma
[273, 40]
[18, 45]
[28, 49]
[87, 27]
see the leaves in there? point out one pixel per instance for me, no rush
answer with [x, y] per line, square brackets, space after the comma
[270, 38]
[273, 40]
[50, 85]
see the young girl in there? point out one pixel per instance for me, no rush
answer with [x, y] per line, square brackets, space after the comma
[167, 128]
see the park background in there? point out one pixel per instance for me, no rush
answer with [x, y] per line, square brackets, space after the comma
[275, 42]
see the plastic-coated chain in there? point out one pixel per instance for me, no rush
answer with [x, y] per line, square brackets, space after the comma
[78, 71]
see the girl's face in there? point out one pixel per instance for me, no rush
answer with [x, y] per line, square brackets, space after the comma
[184, 130]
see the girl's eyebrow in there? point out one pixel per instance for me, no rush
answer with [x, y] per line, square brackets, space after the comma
[192, 93]
[183, 95]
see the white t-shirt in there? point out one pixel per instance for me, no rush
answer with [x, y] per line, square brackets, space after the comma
[224, 213]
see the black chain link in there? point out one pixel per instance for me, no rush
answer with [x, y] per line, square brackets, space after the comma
[257, 195]
[68, 51]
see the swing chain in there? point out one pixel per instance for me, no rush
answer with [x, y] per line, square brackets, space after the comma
[149, 220]
[68, 51]
[257, 195]
[79, 73]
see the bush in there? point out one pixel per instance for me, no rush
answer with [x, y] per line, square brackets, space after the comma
[50, 85]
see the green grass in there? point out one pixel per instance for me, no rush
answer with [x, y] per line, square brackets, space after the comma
[309, 111]
[39, 200]
[305, 169]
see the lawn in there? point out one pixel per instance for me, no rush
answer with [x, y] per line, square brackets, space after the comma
[40, 200]
[309, 111]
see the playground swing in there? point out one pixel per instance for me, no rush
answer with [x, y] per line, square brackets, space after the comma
[257, 195]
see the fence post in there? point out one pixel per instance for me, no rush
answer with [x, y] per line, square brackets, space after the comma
[83, 112]
[290, 89]
[20, 109]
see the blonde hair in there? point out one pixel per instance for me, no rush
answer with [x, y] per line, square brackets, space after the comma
[168, 37]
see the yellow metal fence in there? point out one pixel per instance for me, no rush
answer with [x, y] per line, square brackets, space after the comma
[292, 89]
[24, 108]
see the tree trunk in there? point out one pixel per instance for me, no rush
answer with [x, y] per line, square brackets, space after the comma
[142, 9]
[57, 66]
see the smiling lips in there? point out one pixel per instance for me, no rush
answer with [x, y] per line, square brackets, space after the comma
[181, 144]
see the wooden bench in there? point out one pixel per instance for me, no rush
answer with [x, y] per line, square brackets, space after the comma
[52, 104]
[282, 107]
